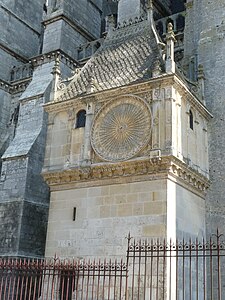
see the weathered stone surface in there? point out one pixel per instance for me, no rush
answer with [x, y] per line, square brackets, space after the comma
[23, 194]
[68, 23]
[10, 220]
[205, 39]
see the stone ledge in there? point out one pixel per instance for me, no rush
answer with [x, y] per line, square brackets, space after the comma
[167, 167]
[14, 88]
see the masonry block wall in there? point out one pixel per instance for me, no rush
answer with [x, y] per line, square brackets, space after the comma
[104, 217]
[211, 49]
[205, 45]
[19, 23]
[19, 40]
[23, 194]
[71, 24]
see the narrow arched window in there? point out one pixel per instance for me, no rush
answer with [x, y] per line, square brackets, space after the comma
[191, 120]
[81, 119]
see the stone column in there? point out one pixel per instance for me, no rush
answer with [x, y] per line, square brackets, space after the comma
[87, 132]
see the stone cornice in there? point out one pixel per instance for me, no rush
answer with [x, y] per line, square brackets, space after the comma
[133, 170]
[14, 88]
[51, 56]
[5, 86]
[188, 177]
[141, 87]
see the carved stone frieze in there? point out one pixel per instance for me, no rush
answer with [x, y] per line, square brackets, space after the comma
[141, 89]
[168, 166]
[158, 94]
[15, 88]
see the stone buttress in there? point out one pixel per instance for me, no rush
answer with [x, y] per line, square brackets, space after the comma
[24, 196]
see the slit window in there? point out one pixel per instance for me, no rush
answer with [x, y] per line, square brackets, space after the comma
[81, 119]
[191, 120]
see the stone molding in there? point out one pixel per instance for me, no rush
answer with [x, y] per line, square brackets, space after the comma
[157, 85]
[14, 88]
[51, 56]
[20, 85]
[131, 21]
[167, 167]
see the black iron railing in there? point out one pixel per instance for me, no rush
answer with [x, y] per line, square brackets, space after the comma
[154, 270]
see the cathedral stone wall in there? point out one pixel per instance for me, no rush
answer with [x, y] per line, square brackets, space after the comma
[190, 213]
[60, 35]
[105, 214]
[30, 13]
[21, 183]
[211, 49]
[11, 25]
[111, 207]
[22, 146]
[69, 25]
[5, 109]
[6, 64]
[87, 15]
[204, 44]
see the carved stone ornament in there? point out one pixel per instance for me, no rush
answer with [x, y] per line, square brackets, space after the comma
[121, 129]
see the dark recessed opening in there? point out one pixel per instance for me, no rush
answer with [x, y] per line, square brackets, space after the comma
[191, 120]
[74, 213]
[81, 119]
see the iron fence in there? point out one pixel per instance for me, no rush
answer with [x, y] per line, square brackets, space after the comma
[153, 270]
[64, 280]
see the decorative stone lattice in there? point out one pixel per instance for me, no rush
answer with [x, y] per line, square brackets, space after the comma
[121, 129]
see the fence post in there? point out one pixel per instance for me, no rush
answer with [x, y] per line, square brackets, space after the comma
[127, 262]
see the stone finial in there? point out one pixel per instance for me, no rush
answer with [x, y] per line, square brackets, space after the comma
[56, 78]
[91, 84]
[149, 4]
[170, 40]
[91, 87]
[58, 4]
[170, 28]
